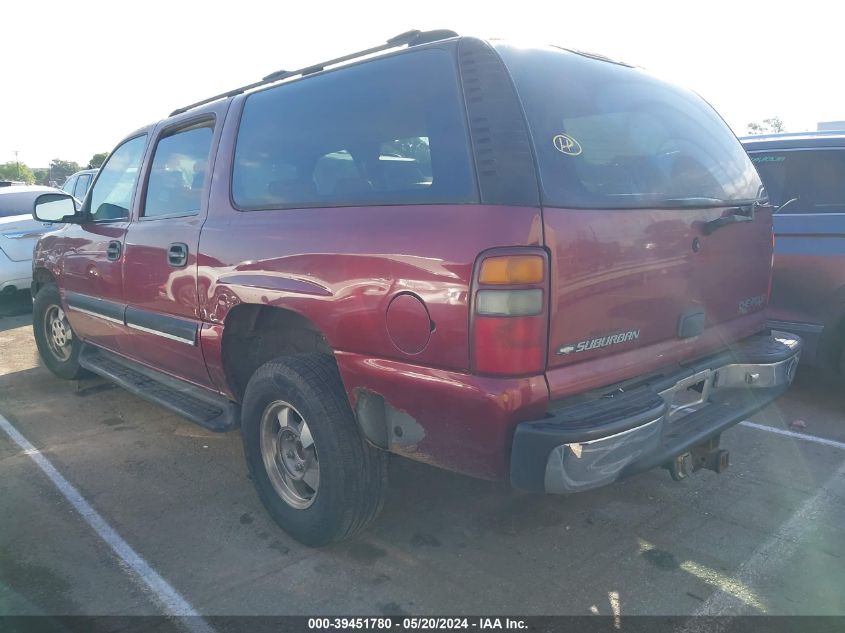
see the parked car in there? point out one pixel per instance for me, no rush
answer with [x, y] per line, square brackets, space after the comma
[18, 234]
[804, 175]
[444, 252]
[78, 184]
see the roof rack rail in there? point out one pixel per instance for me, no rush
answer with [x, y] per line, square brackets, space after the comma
[408, 38]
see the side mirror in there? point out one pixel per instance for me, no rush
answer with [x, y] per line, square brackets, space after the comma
[56, 207]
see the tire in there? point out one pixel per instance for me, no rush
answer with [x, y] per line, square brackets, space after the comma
[296, 415]
[62, 360]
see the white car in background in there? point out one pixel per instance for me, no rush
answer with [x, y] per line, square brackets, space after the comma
[18, 234]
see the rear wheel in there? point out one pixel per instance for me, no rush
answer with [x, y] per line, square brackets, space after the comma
[315, 473]
[57, 344]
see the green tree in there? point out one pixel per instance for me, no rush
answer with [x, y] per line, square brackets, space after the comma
[97, 160]
[17, 171]
[42, 175]
[61, 169]
[768, 126]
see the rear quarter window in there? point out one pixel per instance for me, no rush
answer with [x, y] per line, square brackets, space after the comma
[388, 131]
[610, 136]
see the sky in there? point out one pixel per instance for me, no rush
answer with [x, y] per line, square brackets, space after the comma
[77, 77]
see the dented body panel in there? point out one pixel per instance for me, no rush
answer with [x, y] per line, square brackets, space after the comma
[449, 419]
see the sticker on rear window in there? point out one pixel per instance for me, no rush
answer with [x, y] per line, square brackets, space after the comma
[768, 159]
[565, 144]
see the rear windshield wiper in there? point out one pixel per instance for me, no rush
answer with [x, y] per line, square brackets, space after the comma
[704, 202]
[740, 210]
[739, 213]
[694, 201]
[786, 204]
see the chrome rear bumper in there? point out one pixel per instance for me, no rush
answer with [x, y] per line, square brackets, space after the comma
[593, 443]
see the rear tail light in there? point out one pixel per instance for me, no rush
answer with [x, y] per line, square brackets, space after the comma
[510, 305]
[513, 269]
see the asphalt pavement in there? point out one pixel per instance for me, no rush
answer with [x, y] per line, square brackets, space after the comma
[767, 536]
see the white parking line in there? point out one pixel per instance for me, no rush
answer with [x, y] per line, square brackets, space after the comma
[171, 602]
[779, 547]
[793, 434]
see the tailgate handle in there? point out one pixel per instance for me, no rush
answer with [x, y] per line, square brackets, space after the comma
[177, 254]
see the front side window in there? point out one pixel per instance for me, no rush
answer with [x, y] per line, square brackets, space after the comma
[804, 181]
[178, 172]
[111, 195]
[389, 131]
[611, 136]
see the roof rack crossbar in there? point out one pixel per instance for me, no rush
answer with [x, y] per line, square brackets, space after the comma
[408, 38]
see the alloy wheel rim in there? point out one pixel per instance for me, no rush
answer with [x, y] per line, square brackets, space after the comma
[58, 332]
[289, 454]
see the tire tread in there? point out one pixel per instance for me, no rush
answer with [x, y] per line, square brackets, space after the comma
[316, 376]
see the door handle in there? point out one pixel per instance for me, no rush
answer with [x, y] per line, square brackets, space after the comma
[113, 250]
[177, 254]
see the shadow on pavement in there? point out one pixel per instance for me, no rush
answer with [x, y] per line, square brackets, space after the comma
[12, 308]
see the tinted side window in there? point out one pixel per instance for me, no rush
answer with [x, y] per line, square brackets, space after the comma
[112, 194]
[178, 172]
[610, 136]
[81, 187]
[390, 131]
[815, 177]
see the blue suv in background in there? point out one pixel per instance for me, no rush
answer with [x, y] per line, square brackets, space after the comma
[804, 175]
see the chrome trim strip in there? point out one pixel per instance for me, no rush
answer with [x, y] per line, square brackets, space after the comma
[20, 235]
[620, 434]
[191, 342]
[95, 314]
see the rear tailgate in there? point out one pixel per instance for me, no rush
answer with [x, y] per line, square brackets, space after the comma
[634, 174]
[623, 279]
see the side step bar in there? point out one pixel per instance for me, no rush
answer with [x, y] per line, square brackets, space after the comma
[199, 405]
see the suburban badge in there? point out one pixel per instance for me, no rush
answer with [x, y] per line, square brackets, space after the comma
[601, 341]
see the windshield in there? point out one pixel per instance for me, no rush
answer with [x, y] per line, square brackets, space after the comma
[610, 136]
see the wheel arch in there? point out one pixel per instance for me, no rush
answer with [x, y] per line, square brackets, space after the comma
[255, 333]
[40, 277]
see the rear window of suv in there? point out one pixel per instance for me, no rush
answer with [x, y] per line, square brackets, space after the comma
[611, 136]
[813, 180]
[389, 131]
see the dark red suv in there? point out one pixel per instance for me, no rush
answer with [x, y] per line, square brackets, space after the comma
[516, 263]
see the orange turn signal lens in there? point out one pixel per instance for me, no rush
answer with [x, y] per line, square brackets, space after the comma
[512, 269]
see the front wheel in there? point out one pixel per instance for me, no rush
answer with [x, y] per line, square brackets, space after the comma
[315, 473]
[57, 343]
